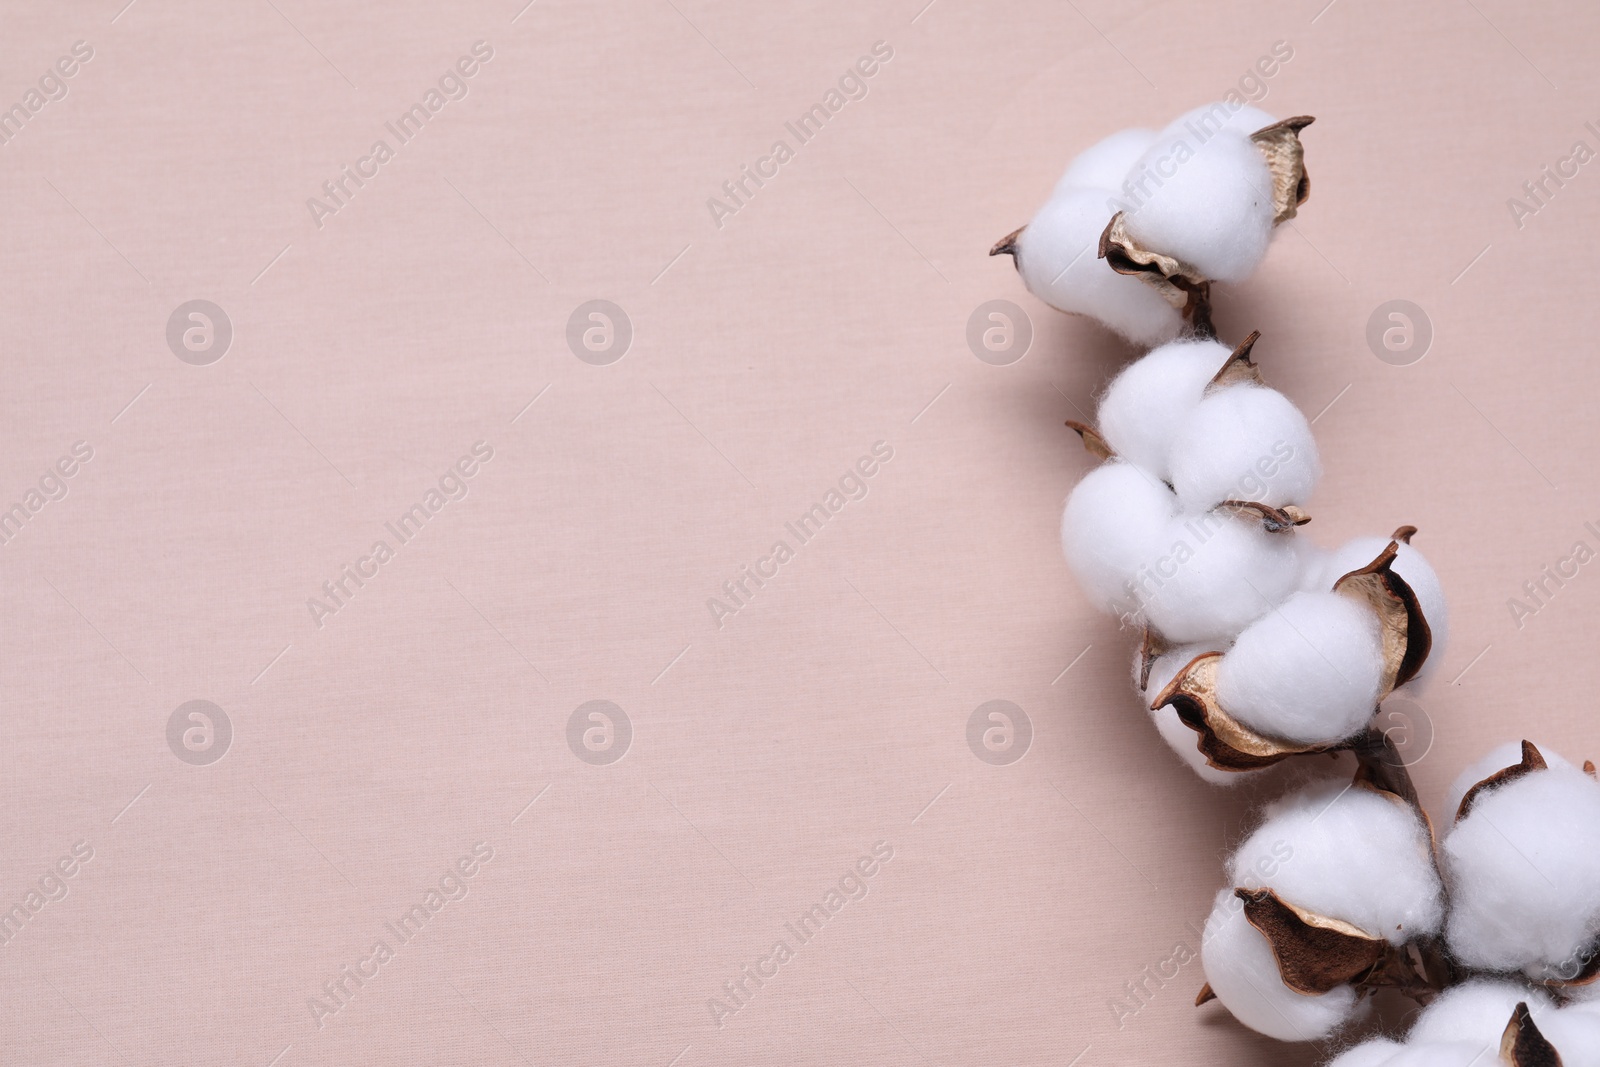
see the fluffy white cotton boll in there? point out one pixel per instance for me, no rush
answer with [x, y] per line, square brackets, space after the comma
[1105, 163]
[1243, 973]
[1414, 570]
[1373, 1053]
[1179, 737]
[1207, 119]
[1350, 854]
[1524, 870]
[1146, 404]
[1445, 1054]
[1309, 671]
[1313, 560]
[1245, 442]
[1476, 1012]
[1214, 574]
[1503, 755]
[1209, 205]
[1116, 518]
[1057, 257]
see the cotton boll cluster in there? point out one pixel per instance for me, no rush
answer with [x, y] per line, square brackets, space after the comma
[1156, 550]
[1200, 191]
[1467, 1023]
[1354, 856]
[1523, 864]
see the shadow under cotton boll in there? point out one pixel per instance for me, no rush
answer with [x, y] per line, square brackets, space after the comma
[1208, 203]
[1146, 404]
[1308, 672]
[1058, 258]
[1245, 442]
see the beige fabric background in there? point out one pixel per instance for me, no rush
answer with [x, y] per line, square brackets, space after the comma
[827, 314]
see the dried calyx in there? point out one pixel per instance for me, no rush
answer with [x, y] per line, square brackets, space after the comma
[1229, 744]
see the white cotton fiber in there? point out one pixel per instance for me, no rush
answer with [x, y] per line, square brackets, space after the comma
[1116, 518]
[1414, 569]
[1308, 671]
[1245, 442]
[1181, 739]
[1575, 1034]
[1373, 1053]
[1215, 574]
[1146, 404]
[1057, 256]
[1476, 1011]
[1243, 973]
[1350, 854]
[1445, 1054]
[1524, 871]
[1105, 163]
[1313, 560]
[1205, 120]
[1208, 204]
[1503, 755]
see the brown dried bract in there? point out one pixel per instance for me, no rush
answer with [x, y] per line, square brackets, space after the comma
[1007, 245]
[1227, 744]
[1205, 996]
[1522, 1045]
[1379, 767]
[1588, 974]
[1588, 768]
[1315, 953]
[1407, 639]
[1092, 441]
[1152, 648]
[1532, 760]
[1240, 368]
[1404, 534]
[1279, 144]
[1179, 284]
[1273, 520]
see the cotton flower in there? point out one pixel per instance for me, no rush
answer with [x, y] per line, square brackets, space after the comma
[1209, 204]
[1115, 521]
[1056, 254]
[1353, 857]
[1244, 442]
[1199, 198]
[1145, 406]
[1523, 864]
[1308, 671]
